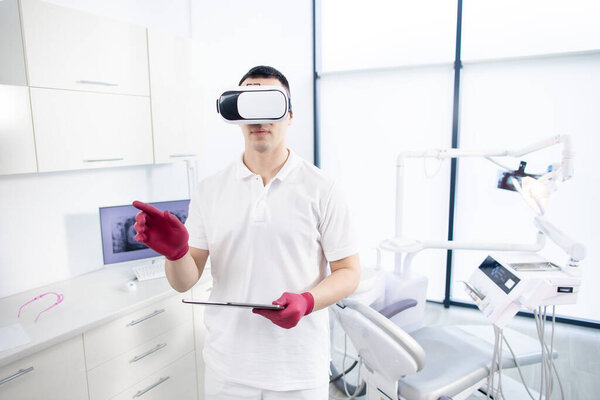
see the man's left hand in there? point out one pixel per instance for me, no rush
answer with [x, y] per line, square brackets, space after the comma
[296, 307]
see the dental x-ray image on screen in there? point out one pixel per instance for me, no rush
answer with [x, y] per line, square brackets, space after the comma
[118, 234]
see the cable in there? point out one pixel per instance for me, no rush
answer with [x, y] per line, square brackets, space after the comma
[350, 368]
[490, 382]
[358, 392]
[439, 167]
[548, 367]
[359, 387]
[500, 335]
[562, 393]
[518, 367]
[498, 163]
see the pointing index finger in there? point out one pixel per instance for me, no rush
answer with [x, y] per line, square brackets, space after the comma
[147, 208]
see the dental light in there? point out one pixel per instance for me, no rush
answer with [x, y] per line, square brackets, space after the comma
[254, 104]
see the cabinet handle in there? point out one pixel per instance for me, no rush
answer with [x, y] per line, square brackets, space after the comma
[97, 83]
[146, 354]
[103, 159]
[183, 155]
[153, 314]
[18, 374]
[142, 392]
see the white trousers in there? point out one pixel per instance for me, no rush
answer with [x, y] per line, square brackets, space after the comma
[218, 388]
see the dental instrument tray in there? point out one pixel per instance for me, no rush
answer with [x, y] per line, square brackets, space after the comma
[234, 304]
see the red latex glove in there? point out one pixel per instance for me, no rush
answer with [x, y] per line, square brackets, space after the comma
[296, 307]
[161, 231]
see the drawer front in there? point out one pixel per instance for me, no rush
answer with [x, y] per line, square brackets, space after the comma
[54, 373]
[120, 373]
[119, 336]
[177, 381]
[79, 130]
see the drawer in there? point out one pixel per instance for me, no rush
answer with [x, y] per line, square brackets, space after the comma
[54, 373]
[117, 337]
[177, 381]
[114, 376]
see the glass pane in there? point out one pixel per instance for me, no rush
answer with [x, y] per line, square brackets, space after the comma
[366, 120]
[515, 28]
[512, 104]
[383, 33]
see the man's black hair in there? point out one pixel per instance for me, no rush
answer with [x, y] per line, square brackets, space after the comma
[264, 71]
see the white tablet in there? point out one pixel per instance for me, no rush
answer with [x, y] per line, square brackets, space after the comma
[233, 304]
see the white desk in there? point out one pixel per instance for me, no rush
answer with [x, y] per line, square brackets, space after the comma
[90, 300]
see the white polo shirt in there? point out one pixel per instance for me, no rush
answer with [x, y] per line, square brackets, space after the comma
[263, 241]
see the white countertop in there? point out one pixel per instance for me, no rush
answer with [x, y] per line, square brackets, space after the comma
[90, 300]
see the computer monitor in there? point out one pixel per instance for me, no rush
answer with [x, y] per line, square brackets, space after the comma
[118, 235]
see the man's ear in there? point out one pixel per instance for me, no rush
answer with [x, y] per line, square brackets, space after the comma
[290, 118]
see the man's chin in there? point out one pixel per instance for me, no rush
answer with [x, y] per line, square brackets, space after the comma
[260, 147]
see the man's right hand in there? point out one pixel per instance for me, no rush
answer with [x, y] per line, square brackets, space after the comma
[161, 231]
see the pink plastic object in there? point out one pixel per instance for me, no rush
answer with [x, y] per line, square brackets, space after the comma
[59, 299]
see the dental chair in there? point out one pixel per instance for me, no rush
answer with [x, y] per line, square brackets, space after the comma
[431, 363]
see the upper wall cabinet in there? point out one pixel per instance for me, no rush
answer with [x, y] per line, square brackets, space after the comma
[12, 67]
[70, 49]
[76, 130]
[175, 74]
[17, 151]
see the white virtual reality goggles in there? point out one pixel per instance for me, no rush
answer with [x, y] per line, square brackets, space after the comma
[254, 104]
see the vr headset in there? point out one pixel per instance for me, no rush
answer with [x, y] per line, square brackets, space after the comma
[254, 105]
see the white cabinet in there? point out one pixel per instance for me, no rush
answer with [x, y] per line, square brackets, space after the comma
[103, 92]
[149, 351]
[176, 381]
[127, 369]
[176, 92]
[121, 335]
[55, 373]
[12, 67]
[76, 130]
[70, 49]
[17, 149]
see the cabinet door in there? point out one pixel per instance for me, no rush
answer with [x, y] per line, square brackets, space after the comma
[12, 67]
[177, 381]
[175, 76]
[17, 149]
[54, 373]
[77, 130]
[117, 337]
[70, 49]
[112, 377]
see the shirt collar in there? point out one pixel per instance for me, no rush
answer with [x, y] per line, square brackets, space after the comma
[242, 170]
[290, 164]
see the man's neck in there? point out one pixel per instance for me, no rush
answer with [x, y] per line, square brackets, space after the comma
[266, 164]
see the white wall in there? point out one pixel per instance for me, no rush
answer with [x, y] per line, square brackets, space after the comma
[168, 15]
[238, 35]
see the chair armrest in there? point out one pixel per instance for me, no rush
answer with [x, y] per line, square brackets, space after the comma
[392, 309]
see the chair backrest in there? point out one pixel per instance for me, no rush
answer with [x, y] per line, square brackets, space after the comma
[383, 346]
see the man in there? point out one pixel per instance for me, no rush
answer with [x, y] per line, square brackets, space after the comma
[270, 222]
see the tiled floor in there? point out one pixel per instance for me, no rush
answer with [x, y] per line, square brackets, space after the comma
[578, 350]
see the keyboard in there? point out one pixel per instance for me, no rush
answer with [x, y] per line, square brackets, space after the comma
[149, 270]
